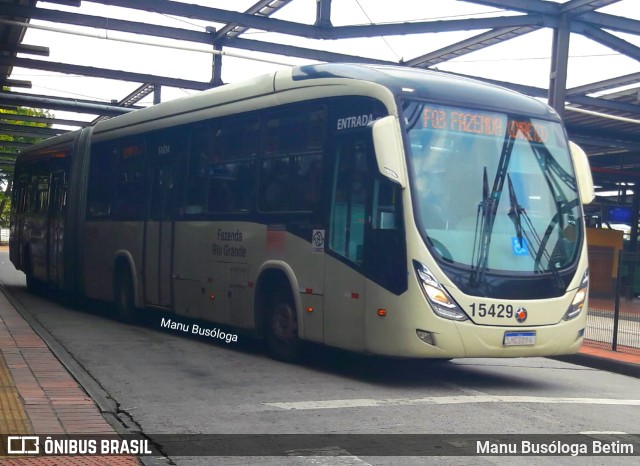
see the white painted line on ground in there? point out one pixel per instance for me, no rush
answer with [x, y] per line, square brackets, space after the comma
[444, 400]
[602, 432]
[330, 456]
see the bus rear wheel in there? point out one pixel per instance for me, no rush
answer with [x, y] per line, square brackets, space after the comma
[123, 296]
[282, 329]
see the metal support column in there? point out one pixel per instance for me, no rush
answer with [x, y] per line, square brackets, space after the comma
[635, 202]
[216, 70]
[157, 94]
[216, 60]
[559, 64]
[323, 13]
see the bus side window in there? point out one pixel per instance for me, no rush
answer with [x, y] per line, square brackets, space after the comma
[232, 164]
[101, 192]
[32, 195]
[42, 195]
[130, 191]
[291, 172]
[21, 194]
[349, 200]
[166, 172]
[197, 176]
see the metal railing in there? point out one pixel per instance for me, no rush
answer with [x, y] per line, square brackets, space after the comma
[613, 323]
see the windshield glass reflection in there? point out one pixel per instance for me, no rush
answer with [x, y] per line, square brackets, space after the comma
[492, 192]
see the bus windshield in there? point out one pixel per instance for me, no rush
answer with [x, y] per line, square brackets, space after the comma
[492, 192]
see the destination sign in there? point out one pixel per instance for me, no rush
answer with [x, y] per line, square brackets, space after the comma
[476, 122]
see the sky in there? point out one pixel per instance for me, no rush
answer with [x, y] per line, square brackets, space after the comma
[524, 60]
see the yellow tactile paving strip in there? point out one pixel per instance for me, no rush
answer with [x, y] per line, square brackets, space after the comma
[39, 396]
[14, 419]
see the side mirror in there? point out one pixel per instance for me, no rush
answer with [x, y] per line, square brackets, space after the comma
[387, 143]
[583, 173]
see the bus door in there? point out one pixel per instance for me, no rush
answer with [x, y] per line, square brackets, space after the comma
[159, 234]
[55, 228]
[344, 269]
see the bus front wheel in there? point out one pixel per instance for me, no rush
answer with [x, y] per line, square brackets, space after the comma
[282, 329]
[123, 296]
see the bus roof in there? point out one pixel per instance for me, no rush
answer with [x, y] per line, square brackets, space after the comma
[432, 85]
[400, 81]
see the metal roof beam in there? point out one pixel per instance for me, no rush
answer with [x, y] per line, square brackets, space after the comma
[523, 6]
[583, 9]
[586, 101]
[612, 22]
[217, 15]
[603, 138]
[422, 27]
[15, 83]
[102, 73]
[45, 120]
[472, 44]
[35, 131]
[300, 52]
[604, 104]
[63, 2]
[61, 99]
[19, 145]
[579, 7]
[110, 24]
[95, 108]
[606, 39]
[619, 81]
[342, 32]
[28, 49]
[193, 36]
[263, 8]
[346, 31]
[572, 7]
[612, 160]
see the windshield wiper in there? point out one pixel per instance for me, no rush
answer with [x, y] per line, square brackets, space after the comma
[515, 211]
[484, 224]
[536, 247]
[486, 215]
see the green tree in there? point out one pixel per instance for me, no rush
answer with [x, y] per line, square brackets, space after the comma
[8, 155]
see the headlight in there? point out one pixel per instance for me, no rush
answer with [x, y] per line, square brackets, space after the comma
[441, 302]
[579, 299]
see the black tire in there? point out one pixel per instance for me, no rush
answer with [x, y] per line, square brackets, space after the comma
[282, 328]
[123, 296]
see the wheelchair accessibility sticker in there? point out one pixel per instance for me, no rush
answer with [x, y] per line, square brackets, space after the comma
[519, 248]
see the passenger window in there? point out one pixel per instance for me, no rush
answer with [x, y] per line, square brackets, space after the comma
[130, 181]
[167, 168]
[101, 192]
[197, 173]
[231, 166]
[291, 173]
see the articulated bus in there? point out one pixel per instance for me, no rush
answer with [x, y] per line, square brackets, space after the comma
[382, 210]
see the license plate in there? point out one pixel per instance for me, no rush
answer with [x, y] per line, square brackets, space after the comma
[519, 338]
